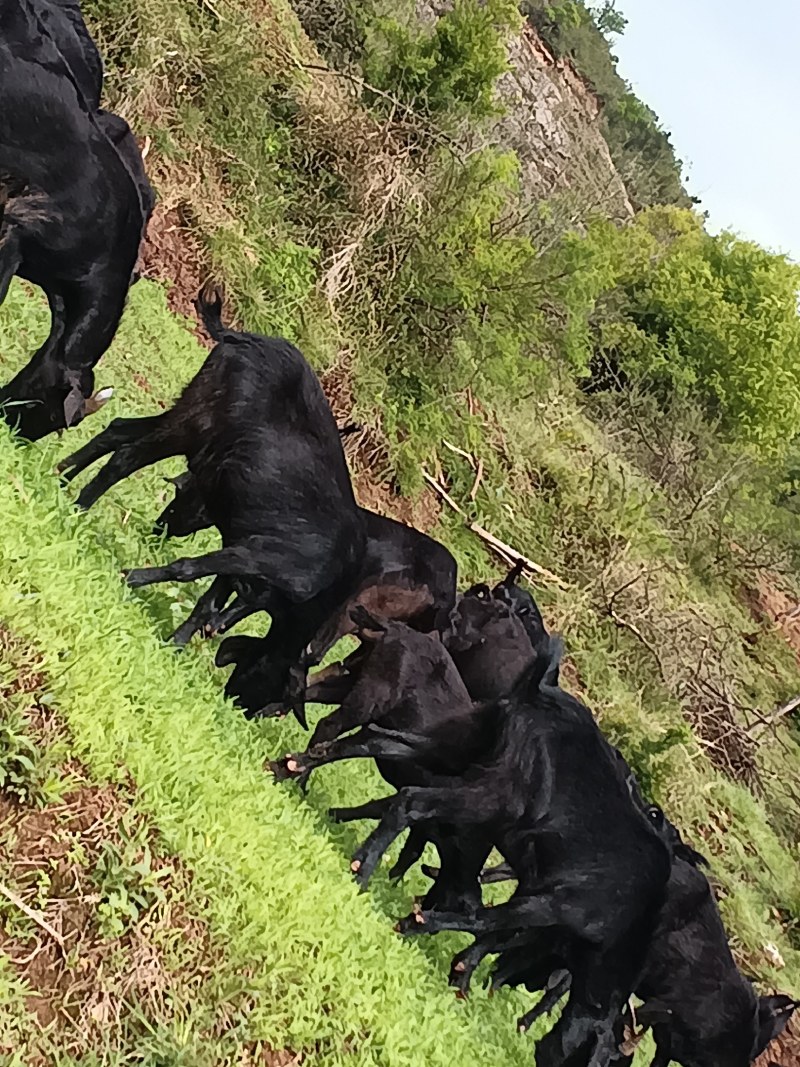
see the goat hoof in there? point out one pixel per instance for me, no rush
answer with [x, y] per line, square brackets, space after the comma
[460, 967]
[355, 866]
[135, 578]
[460, 994]
[281, 769]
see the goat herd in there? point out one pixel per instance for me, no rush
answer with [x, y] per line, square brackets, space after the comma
[456, 697]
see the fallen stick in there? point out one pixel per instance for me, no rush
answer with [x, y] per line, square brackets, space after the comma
[757, 729]
[460, 452]
[34, 916]
[478, 475]
[441, 491]
[506, 552]
[513, 556]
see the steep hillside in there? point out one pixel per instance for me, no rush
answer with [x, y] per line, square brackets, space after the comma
[439, 232]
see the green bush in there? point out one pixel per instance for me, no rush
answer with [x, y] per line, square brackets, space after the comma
[685, 312]
[448, 70]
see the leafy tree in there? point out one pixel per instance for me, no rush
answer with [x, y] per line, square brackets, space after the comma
[608, 18]
[683, 311]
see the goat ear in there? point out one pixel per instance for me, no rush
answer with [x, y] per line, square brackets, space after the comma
[774, 1013]
[514, 574]
[74, 404]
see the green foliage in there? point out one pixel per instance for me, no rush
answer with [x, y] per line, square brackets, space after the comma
[459, 306]
[667, 304]
[20, 771]
[447, 70]
[127, 883]
[608, 18]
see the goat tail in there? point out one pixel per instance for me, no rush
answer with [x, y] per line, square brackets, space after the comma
[209, 307]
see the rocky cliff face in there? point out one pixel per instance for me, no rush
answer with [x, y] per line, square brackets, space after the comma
[551, 121]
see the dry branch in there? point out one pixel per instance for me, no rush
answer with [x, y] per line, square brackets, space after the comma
[766, 724]
[506, 552]
[34, 916]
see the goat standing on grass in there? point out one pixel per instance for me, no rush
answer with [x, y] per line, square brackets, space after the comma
[73, 209]
[264, 454]
[592, 868]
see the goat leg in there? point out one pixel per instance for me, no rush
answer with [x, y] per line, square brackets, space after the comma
[415, 804]
[227, 617]
[518, 914]
[413, 847]
[209, 603]
[558, 984]
[367, 743]
[373, 809]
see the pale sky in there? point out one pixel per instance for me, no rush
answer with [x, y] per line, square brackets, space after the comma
[723, 76]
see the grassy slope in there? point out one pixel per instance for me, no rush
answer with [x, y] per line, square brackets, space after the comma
[240, 142]
[327, 975]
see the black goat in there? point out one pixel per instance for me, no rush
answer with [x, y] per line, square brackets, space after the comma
[494, 636]
[405, 575]
[72, 220]
[265, 456]
[63, 22]
[592, 867]
[712, 1014]
[701, 1009]
[406, 685]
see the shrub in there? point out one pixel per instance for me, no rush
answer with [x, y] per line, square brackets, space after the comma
[683, 311]
[448, 70]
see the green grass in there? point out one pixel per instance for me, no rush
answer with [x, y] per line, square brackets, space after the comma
[328, 975]
[274, 183]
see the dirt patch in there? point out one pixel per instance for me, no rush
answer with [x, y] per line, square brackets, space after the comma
[769, 604]
[727, 744]
[423, 512]
[98, 922]
[784, 1050]
[73, 863]
[172, 254]
[368, 456]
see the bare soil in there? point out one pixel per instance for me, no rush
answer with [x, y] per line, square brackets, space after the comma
[770, 604]
[88, 987]
[172, 254]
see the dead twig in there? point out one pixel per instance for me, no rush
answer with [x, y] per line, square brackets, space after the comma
[460, 452]
[33, 915]
[478, 475]
[758, 728]
[506, 552]
[632, 628]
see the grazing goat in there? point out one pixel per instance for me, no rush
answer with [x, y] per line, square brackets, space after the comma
[701, 1009]
[71, 221]
[494, 636]
[406, 685]
[592, 867]
[405, 575]
[265, 457]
